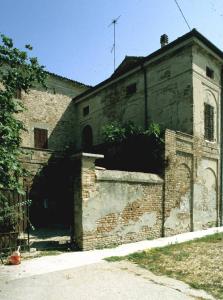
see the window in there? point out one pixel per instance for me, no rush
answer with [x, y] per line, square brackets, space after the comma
[86, 110]
[209, 73]
[208, 122]
[131, 89]
[40, 138]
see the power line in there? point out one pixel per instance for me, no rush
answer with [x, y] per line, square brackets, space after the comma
[182, 14]
[114, 22]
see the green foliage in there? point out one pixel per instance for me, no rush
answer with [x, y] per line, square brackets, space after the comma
[113, 132]
[117, 132]
[18, 72]
[131, 148]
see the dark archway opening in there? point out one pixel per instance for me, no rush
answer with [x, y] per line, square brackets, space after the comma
[87, 138]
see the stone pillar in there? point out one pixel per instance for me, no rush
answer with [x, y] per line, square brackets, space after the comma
[83, 184]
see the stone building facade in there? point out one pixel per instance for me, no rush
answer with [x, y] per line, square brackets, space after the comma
[179, 87]
[50, 113]
[51, 110]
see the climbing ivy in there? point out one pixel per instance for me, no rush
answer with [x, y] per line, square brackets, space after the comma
[18, 73]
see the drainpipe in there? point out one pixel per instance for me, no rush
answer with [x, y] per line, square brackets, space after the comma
[145, 98]
[221, 153]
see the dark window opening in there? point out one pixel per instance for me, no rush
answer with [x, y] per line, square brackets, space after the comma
[40, 138]
[208, 122]
[131, 89]
[86, 111]
[209, 73]
[87, 138]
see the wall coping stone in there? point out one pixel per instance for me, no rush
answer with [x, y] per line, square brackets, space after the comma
[32, 149]
[87, 155]
[123, 176]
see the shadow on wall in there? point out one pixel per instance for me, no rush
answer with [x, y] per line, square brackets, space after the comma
[63, 134]
[51, 194]
[136, 154]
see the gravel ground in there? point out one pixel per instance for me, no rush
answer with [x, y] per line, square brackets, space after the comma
[104, 280]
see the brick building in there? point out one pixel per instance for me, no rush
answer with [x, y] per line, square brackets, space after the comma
[178, 87]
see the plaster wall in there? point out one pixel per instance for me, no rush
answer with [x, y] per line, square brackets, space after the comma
[169, 97]
[112, 104]
[117, 207]
[205, 90]
[192, 183]
[206, 194]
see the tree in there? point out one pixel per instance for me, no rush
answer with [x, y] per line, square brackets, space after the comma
[18, 73]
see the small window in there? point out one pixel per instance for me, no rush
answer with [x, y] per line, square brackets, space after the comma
[86, 111]
[209, 73]
[208, 122]
[40, 138]
[131, 89]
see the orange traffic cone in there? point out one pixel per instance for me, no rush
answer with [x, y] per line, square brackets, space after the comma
[15, 258]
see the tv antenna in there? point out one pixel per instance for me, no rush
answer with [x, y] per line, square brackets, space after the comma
[114, 22]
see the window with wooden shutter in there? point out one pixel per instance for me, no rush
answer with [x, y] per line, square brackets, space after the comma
[208, 122]
[40, 138]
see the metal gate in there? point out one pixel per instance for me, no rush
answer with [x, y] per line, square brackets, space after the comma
[14, 220]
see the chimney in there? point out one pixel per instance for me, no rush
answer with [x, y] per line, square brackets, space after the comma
[163, 40]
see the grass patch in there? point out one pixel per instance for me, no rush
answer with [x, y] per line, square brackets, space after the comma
[198, 263]
[114, 258]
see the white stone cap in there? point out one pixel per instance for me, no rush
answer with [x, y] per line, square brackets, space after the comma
[123, 176]
[87, 155]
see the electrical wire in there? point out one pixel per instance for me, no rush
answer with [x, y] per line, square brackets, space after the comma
[182, 14]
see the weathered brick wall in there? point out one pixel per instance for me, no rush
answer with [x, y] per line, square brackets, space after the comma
[51, 109]
[34, 160]
[191, 183]
[116, 207]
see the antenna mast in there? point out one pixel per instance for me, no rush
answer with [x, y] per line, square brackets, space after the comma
[114, 22]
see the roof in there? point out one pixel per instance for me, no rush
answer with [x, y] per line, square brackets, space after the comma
[134, 62]
[127, 64]
[68, 79]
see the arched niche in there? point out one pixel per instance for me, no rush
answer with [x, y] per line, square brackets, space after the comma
[210, 100]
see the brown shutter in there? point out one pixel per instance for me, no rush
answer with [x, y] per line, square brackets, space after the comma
[208, 122]
[40, 138]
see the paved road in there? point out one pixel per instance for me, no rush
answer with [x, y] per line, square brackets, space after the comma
[103, 280]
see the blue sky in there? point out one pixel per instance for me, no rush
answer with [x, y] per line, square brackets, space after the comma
[72, 37]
